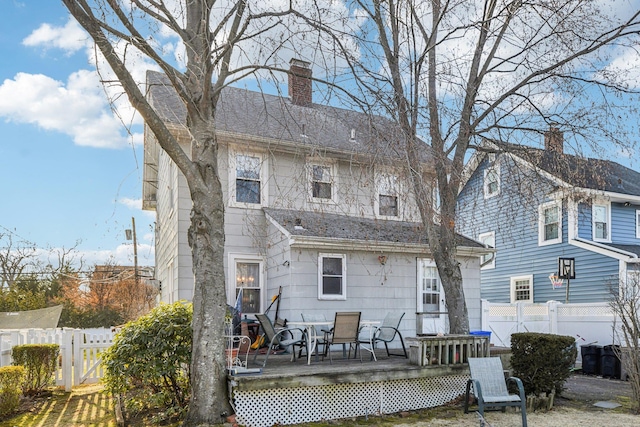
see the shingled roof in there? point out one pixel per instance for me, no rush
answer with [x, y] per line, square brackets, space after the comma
[374, 231]
[276, 118]
[581, 172]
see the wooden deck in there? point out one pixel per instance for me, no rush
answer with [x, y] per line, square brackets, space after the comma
[280, 372]
[286, 392]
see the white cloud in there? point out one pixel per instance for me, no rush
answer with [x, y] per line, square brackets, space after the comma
[78, 109]
[70, 38]
[136, 204]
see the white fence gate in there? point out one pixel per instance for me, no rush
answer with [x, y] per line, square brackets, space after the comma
[587, 323]
[80, 351]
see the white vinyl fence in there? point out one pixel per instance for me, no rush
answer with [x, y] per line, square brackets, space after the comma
[80, 351]
[587, 323]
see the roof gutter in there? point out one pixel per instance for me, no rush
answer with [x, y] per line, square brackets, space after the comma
[613, 252]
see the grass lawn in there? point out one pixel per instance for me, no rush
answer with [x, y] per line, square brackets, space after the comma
[85, 406]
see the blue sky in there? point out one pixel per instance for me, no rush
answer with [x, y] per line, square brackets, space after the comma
[68, 170]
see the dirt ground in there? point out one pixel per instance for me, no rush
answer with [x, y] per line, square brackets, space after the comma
[575, 408]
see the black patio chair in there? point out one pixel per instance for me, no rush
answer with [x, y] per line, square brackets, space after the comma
[281, 338]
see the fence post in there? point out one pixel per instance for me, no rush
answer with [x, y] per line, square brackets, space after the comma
[520, 316]
[67, 358]
[78, 359]
[553, 316]
[484, 314]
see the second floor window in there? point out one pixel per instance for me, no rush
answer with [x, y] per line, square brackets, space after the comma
[601, 222]
[550, 229]
[321, 182]
[638, 224]
[248, 179]
[387, 195]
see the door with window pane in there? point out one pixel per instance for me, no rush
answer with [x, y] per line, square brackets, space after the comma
[248, 279]
[431, 302]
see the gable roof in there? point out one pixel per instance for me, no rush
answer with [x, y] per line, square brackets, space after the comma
[277, 119]
[582, 172]
[576, 171]
[315, 226]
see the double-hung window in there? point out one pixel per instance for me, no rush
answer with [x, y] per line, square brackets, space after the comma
[322, 182]
[522, 289]
[550, 223]
[488, 261]
[332, 276]
[247, 180]
[388, 195]
[601, 222]
[491, 181]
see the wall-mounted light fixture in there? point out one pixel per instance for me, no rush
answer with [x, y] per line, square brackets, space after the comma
[382, 259]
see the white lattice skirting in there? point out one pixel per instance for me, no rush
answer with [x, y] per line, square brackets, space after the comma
[265, 408]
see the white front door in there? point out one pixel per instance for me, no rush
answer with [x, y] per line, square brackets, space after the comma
[432, 314]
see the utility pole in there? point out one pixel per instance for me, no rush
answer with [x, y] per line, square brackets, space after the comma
[135, 249]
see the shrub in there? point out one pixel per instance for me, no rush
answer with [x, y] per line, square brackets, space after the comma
[40, 363]
[148, 362]
[542, 361]
[11, 379]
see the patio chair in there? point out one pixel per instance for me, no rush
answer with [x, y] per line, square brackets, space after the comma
[345, 331]
[322, 332]
[386, 333]
[276, 339]
[490, 387]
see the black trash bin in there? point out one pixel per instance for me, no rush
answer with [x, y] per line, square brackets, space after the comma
[591, 355]
[609, 361]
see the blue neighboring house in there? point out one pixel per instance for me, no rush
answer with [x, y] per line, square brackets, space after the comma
[537, 205]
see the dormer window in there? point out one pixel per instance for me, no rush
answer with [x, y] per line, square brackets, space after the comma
[491, 181]
[601, 222]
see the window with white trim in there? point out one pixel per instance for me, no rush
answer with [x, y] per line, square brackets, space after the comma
[388, 189]
[322, 182]
[550, 223]
[522, 289]
[488, 261]
[638, 224]
[491, 181]
[601, 222]
[248, 277]
[332, 276]
[247, 179]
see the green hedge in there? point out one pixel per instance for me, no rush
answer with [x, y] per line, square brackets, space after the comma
[40, 362]
[148, 363]
[542, 361]
[11, 379]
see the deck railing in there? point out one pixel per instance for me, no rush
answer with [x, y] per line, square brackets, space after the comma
[447, 349]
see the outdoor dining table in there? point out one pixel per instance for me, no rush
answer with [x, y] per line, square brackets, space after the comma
[312, 336]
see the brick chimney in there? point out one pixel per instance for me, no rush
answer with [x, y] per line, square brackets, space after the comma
[300, 91]
[554, 140]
